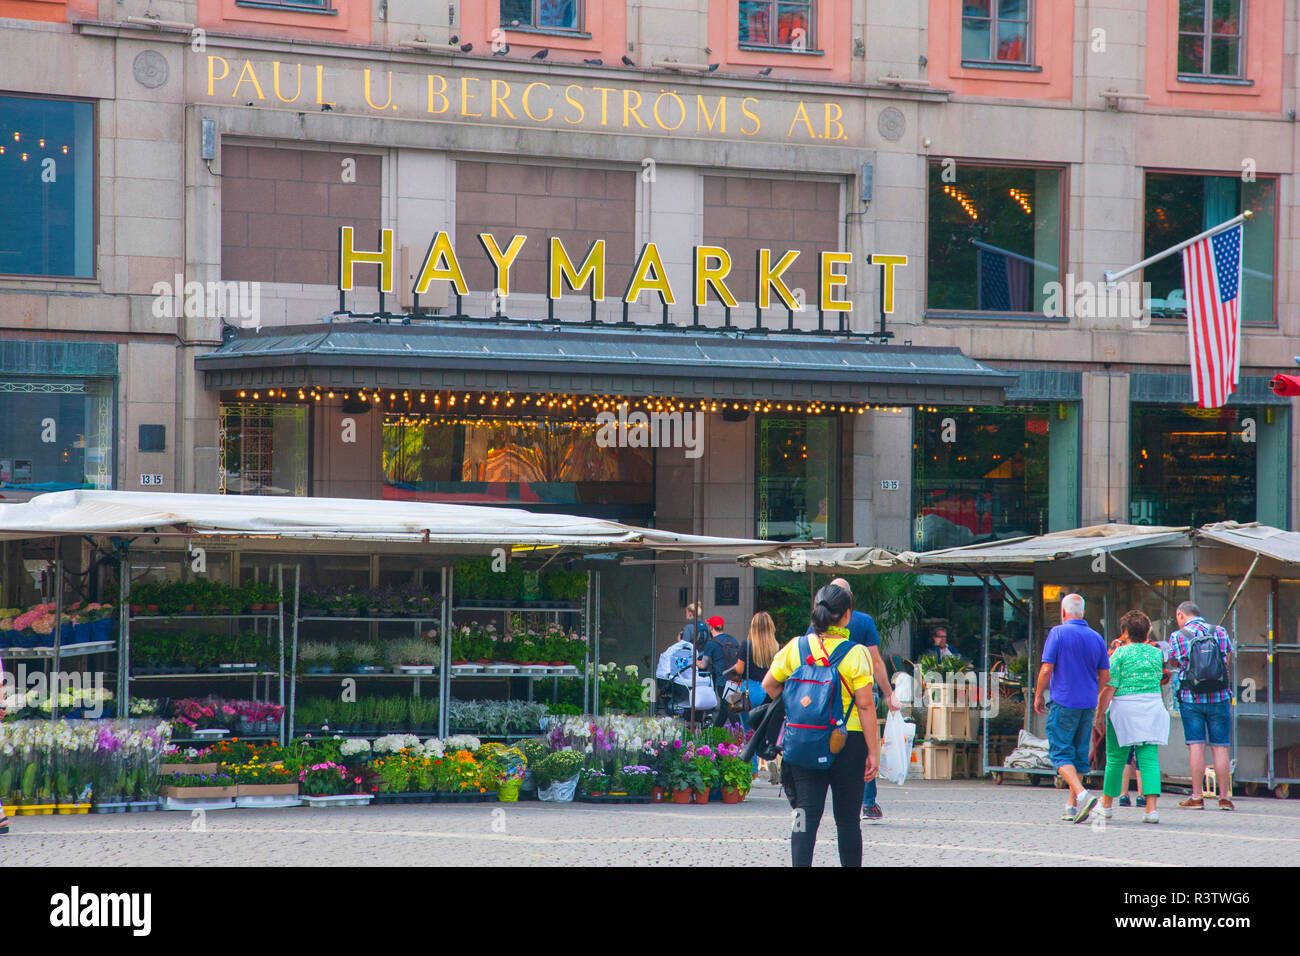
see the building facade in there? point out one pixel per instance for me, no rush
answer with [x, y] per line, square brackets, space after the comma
[179, 171]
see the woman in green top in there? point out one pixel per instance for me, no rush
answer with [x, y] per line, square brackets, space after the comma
[1133, 713]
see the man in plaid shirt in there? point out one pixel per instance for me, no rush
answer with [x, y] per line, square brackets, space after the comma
[1206, 717]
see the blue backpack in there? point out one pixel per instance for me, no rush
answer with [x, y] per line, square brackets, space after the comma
[814, 708]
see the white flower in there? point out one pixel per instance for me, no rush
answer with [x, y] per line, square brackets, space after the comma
[355, 745]
[463, 742]
[435, 747]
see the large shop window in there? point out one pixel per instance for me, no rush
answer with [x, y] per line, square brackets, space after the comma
[557, 466]
[542, 14]
[264, 450]
[797, 478]
[1178, 206]
[780, 24]
[995, 31]
[994, 237]
[1190, 466]
[982, 473]
[56, 435]
[47, 202]
[1210, 38]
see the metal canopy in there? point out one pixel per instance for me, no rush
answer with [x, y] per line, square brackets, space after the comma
[1015, 555]
[1282, 546]
[702, 363]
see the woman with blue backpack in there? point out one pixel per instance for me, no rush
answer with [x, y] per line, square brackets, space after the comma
[824, 680]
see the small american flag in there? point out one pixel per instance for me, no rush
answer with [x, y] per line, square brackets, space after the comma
[1004, 281]
[1212, 278]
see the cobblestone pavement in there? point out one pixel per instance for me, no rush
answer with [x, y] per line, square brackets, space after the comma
[957, 823]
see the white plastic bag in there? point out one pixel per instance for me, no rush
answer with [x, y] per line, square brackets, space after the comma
[896, 748]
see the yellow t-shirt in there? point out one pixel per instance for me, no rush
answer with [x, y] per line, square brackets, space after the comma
[855, 668]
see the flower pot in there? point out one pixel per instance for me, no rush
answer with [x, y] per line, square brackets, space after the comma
[562, 791]
[199, 793]
[681, 796]
[340, 800]
[72, 808]
[509, 792]
[731, 795]
[702, 796]
[657, 794]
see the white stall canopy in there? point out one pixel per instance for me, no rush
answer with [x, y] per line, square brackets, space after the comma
[1017, 555]
[126, 513]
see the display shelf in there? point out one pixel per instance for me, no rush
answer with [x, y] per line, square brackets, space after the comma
[216, 675]
[570, 606]
[386, 675]
[369, 620]
[155, 618]
[65, 650]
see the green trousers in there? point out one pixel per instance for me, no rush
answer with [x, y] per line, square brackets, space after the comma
[1148, 764]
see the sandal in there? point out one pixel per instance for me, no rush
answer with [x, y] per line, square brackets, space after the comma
[4, 825]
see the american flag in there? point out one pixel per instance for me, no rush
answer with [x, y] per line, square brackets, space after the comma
[1212, 278]
[1004, 280]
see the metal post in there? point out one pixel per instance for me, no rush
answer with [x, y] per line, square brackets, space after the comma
[1269, 676]
[1029, 661]
[293, 654]
[123, 630]
[595, 643]
[984, 760]
[586, 656]
[279, 613]
[56, 672]
[1235, 683]
[444, 675]
[988, 684]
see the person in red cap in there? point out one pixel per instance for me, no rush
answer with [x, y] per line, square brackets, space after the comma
[719, 654]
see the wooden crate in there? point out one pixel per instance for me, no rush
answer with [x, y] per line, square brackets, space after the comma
[950, 723]
[945, 761]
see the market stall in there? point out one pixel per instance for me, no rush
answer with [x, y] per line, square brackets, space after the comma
[1114, 567]
[192, 545]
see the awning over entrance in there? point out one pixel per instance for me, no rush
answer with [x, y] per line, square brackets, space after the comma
[705, 364]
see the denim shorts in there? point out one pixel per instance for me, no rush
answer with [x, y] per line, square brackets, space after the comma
[1069, 736]
[1200, 718]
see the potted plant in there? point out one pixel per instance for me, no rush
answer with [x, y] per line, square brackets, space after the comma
[561, 770]
[706, 772]
[735, 775]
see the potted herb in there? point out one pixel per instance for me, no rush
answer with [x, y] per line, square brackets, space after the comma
[317, 657]
[735, 775]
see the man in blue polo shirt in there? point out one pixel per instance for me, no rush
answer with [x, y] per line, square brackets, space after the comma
[1076, 666]
[862, 630]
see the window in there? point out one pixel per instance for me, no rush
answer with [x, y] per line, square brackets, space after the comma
[313, 6]
[555, 466]
[796, 478]
[981, 474]
[542, 14]
[994, 237]
[1191, 466]
[56, 435]
[776, 23]
[1216, 26]
[1178, 206]
[995, 31]
[47, 205]
[263, 450]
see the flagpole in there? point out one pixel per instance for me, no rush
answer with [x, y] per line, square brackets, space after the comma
[1113, 277]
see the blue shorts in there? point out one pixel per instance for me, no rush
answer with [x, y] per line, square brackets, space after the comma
[1069, 736]
[1207, 720]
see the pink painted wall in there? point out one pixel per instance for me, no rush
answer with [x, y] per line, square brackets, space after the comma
[605, 21]
[1053, 51]
[350, 25]
[832, 39]
[1266, 28]
[49, 11]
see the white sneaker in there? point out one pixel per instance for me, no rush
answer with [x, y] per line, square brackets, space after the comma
[1151, 816]
[1069, 814]
[1105, 812]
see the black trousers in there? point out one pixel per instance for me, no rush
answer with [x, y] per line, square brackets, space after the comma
[845, 783]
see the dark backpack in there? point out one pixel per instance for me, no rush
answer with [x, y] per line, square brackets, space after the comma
[1206, 672]
[813, 708]
[730, 653]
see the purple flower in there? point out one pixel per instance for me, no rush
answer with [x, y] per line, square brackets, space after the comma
[677, 745]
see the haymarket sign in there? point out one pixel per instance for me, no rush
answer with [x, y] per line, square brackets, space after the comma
[711, 266]
[525, 100]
